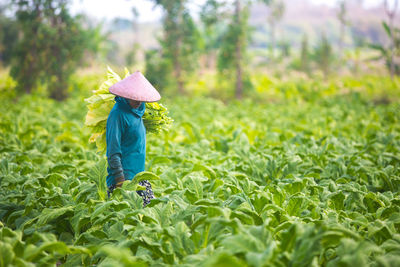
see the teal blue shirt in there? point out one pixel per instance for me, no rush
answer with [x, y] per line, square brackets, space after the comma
[126, 141]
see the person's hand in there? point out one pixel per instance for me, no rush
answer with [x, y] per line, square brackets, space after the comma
[119, 181]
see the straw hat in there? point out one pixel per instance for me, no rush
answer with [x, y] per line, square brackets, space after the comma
[136, 87]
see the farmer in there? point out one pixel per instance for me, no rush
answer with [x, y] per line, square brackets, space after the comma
[126, 134]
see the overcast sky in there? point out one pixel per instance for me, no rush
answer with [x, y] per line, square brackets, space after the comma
[110, 9]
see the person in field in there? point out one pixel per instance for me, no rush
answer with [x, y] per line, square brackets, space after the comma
[126, 133]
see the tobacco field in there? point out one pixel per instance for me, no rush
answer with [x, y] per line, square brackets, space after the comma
[307, 174]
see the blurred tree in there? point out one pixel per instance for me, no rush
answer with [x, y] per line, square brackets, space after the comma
[239, 47]
[112, 51]
[135, 23]
[276, 12]
[8, 36]
[354, 60]
[51, 46]
[211, 17]
[157, 69]
[358, 37]
[305, 55]
[132, 53]
[130, 57]
[342, 17]
[233, 47]
[323, 55]
[391, 13]
[181, 40]
[284, 46]
[389, 53]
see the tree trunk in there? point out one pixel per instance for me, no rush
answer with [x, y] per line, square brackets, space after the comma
[178, 67]
[273, 42]
[178, 77]
[29, 85]
[177, 54]
[239, 79]
[58, 94]
[59, 90]
[392, 47]
[211, 59]
[391, 14]
[341, 42]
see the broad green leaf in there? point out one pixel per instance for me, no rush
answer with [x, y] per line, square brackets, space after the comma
[49, 215]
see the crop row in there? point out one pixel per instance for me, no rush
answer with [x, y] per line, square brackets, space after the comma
[298, 183]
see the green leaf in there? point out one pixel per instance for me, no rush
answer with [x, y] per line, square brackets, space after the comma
[145, 175]
[337, 200]
[7, 254]
[387, 28]
[98, 174]
[48, 215]
[61, 167]
[296, 205]
[224, 260]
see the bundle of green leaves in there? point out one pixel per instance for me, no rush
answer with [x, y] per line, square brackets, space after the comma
[102, 101]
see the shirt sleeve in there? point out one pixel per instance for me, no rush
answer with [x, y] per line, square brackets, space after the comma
[114, 162]
[113, 138]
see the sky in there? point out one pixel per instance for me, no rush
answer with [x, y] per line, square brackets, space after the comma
[109, 9]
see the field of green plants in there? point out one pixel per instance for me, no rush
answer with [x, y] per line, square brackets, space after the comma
[305, 174]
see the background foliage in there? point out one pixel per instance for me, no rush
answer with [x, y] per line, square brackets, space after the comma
[281, 153]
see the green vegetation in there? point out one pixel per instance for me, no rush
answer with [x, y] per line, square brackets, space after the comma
[388, 53]
[288, 156]
[180, 43]
[50, 46]
[307, 175]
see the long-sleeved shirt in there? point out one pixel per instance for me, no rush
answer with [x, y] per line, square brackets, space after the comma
[126, 141]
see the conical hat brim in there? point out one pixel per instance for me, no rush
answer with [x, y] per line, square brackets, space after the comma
[136, 87]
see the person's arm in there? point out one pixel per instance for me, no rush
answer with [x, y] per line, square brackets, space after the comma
[114, 154]
[114, 162]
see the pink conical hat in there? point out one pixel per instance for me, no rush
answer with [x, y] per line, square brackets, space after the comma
[136, 87]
